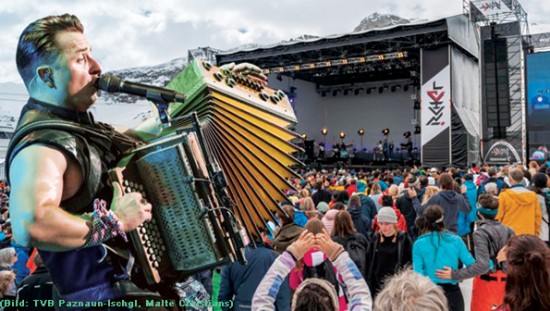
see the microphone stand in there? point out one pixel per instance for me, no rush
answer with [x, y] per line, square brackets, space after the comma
[162, 107]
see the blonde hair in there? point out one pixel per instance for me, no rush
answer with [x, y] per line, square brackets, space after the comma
[393, 191]
[7, 277]
[410, 291]
[430, 191]
[375, 188]
[304, 193]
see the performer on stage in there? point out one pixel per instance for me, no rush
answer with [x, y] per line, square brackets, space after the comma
[408, 144]
[61, 201]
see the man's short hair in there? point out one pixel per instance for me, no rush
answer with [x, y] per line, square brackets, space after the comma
[491, 188]
[492, 171]
[37, 43]
[516, 175]
[410, 291]
[446, 181]
[423, 180]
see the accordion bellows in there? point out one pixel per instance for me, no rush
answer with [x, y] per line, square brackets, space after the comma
[246, 130]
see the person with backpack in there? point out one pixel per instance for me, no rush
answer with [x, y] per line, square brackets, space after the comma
[368, 207]
[355, 243]
[391, 249]
[489, 238]
[361, 222]
[540, 181]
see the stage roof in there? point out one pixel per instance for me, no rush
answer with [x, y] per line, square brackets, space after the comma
[388, 53]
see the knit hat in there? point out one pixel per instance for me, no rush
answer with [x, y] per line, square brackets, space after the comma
[361, 186]
[387, 215]
[329, 288]
[539, 180]
[322, 207]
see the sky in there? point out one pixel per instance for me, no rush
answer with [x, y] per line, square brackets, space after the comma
[135, 33]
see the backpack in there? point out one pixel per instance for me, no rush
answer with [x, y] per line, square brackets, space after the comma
[357, 252]
[546, 195]
[324, 271]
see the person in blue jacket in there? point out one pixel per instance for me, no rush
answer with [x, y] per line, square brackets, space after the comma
[239, 282]
[436, 248]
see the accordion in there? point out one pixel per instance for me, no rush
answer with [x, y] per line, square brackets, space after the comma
[189, 231]
[247, 130]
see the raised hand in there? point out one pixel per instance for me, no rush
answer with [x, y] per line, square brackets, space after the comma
[130, 208]
[304, 243]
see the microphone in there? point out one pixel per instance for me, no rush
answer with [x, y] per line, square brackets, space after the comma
[112, 84]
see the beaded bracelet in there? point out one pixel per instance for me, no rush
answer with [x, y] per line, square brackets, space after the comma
[105, 225]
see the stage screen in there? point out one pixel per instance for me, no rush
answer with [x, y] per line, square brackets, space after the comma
[538, 104]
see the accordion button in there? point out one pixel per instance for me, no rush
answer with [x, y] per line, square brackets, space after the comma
[153, 257]
[155, 264]
[143, 230]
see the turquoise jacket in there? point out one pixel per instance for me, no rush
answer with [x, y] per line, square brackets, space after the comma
[433, 251]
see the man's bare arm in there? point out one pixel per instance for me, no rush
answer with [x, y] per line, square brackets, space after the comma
[37, 178]
[41, 178]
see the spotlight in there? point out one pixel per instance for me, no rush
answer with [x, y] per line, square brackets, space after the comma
[417, 129]
[361, 132]
[358, 91]
[347, 91]
[369, 90]
[416, 105]
[335, 92]
[386, 131]
[324, 131]
[304, 136]
[342, 135]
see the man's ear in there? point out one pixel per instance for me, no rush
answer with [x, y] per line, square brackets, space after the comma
[46, 74]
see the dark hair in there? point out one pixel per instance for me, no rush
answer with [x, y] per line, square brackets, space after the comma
[315, 226]
[424, 180]
[446, 181]
[340, 196]
[468, 177]
[387, 201]
[339, 206]
[355, 201]
[312, 298]
[37, 43]
[528, 275]
[431, 220]
[487, 200]
[539, 182]
[343, 224]
[286, 213]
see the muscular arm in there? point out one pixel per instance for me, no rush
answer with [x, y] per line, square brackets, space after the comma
[41, 177]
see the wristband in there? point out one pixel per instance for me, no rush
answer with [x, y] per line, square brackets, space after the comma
[105, 225]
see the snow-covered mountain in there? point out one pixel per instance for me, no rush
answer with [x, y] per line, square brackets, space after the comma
[377, 20]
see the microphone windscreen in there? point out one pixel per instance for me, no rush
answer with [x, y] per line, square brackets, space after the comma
[109, 83]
